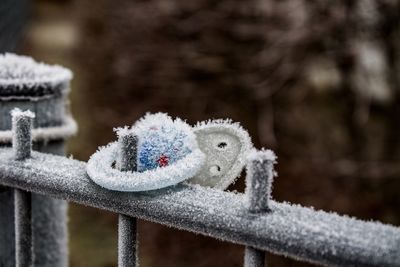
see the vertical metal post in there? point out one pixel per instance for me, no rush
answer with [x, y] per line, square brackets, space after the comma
[22, 146]
[22, 136]
[23, 228]
[127, 226]
[49, 101]
[254, 257]
[260, 174]
[127, 241]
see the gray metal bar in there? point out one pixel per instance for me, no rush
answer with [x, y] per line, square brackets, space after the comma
[290, 230]
[260, 174]
[127, 241]
[22, 146]
[23, 228]
[127, 226]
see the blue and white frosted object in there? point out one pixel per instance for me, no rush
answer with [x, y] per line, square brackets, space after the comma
[183, 162]
[162, 141]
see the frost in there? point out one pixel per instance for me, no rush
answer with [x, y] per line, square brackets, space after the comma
[16, 112]
[122, 131]
[21, 76]
[262, 155]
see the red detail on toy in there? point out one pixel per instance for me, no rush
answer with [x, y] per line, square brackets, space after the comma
[163, 161]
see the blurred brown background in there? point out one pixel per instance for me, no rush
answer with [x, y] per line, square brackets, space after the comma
[317, 81]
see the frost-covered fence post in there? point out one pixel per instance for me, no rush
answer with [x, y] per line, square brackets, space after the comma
[22, 145]
[43, 89]
[22, 136]
[260, 174]
[127, 226]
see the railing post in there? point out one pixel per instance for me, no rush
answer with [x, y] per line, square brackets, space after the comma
[259, 178]
[43, 89]
[22, 133]
[127, 226]
[22, 146]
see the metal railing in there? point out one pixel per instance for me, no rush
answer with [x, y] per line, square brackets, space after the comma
[250, 219]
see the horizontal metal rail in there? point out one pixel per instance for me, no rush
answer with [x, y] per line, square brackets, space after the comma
[290, 230]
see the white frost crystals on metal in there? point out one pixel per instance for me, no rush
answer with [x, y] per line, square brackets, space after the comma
[21, 75]
[61, 132]
[39, 87]
[100, 165]
[291, 230]
[226, 145]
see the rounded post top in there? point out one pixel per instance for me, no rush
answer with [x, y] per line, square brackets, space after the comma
[22, 133]
[259, 178]
[261, 155]
[17, 113]
[22, 77]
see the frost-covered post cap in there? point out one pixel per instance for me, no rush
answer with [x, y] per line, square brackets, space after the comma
[260, 174]
[22, 133]
[21, 76]
[127, 146]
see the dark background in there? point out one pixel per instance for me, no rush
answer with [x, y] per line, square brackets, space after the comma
[316, 81]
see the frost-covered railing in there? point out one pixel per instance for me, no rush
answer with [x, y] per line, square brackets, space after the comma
[34, 185]
[249, 219]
